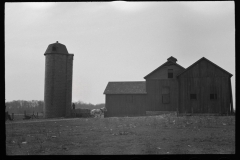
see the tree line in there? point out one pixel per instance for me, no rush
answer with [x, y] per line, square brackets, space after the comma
[20, 106]
[82, 105]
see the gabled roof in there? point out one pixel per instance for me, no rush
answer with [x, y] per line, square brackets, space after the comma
[131, 87]
[164, 64]
[203, 58]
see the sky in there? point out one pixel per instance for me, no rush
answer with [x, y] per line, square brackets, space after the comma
[113, 41]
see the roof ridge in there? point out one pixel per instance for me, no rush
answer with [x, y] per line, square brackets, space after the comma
[162, 66]
[199, 61]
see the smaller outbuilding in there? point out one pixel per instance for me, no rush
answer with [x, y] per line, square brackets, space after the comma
[125, 99]
[205, 88]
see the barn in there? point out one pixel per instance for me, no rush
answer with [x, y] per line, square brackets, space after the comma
[162, 86]
[159, 92]
[125, 99]
[204, 87]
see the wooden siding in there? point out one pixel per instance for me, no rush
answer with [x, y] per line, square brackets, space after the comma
[204, 69]
[155, 91]
[162, 73]
[231, 97]
[204, 79]
[125, 105]
[155, 87]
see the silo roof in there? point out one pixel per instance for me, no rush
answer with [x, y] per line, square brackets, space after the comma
[56, 48]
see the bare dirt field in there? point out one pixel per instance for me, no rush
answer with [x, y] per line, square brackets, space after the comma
[161, 134]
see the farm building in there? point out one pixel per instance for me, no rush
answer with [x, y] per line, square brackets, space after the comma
[58, 81]
[125, 99]
[162, 86]
[158, 93]
[205, 87]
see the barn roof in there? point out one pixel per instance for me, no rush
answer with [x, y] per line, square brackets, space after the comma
[169, 62]
[130, 87]
[201, 59]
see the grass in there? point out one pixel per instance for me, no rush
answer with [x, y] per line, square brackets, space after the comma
[162, 134]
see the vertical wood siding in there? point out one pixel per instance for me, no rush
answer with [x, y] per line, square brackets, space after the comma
[155, 84]
[204, 79]
[125, 105]
[156, 89]
[162, 73]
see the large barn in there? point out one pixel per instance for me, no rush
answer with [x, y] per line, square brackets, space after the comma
[203, 87]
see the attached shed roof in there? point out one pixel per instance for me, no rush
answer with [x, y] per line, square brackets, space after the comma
[164, 64]
[131, 87]
[201, 59]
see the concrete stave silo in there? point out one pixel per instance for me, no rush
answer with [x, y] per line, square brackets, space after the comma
[58, 81]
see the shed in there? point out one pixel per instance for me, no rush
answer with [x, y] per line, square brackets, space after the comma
[125, 98]
[205, 88]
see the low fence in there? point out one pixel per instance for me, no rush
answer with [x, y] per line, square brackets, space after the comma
[81, 113]
[13, 116]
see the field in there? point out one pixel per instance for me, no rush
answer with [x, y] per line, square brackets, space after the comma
[160, 134]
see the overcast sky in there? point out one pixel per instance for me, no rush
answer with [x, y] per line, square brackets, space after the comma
[113, 41]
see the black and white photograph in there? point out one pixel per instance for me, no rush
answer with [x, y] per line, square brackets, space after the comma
[120, 78]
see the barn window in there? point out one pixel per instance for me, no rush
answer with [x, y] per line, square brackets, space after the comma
[54, 48]
[193, 96]
[165, 98]
[170, 73]
[213, 96]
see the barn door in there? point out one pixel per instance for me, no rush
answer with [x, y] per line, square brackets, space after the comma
[165, 95]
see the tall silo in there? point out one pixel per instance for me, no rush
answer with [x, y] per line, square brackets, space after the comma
[58, 81]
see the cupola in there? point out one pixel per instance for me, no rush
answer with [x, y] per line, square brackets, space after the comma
[172, 59]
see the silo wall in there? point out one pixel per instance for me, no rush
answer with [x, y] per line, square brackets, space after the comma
[58, 85]
[69, 84]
